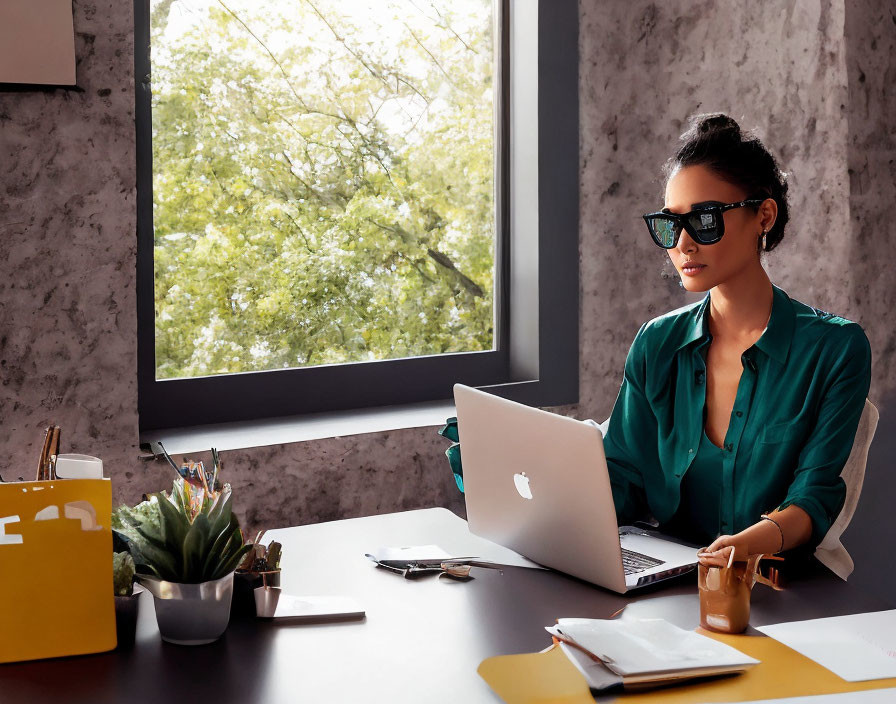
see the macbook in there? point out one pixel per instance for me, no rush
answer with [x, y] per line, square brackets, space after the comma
[538, 483]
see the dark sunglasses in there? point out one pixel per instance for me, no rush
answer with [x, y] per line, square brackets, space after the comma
[705, 224]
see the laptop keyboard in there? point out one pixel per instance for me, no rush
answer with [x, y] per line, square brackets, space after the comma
[633, 562]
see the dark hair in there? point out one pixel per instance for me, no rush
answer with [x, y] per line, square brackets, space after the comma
[715, 140]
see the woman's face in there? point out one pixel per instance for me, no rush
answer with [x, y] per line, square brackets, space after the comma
[703, 266]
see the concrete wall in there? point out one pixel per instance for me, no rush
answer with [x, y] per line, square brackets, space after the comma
[645, 68]
[870, 32]
[810, 76]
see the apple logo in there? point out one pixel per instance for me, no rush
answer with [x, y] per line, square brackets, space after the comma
[521, 482]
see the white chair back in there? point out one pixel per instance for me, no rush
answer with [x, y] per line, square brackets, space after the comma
[830, 552]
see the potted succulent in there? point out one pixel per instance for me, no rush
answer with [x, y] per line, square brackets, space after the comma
[186, 546]
[126, 599]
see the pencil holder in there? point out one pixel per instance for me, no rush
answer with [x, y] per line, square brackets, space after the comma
[725, 593]
[244, 586]
[724, 597]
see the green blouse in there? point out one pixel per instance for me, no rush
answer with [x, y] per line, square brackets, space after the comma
[699, 516]
[797, 408]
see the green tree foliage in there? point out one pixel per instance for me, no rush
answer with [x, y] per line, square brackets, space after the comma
[323, 187]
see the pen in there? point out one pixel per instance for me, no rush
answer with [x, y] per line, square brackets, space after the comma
[44, 453]
[573, 644]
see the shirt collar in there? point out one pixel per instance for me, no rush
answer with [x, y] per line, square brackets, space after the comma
[775, 341]
[698, 326]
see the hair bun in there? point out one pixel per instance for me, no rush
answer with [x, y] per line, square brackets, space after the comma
[717, 123]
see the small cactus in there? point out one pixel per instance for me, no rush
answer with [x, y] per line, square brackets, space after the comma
[123, 573]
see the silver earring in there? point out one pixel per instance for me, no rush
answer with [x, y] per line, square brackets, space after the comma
[762, 239]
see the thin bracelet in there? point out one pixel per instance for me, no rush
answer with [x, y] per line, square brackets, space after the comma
[766, 517]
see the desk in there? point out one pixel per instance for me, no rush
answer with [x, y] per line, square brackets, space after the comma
[421, 641]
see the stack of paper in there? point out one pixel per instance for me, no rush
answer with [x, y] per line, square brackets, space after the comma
[643, 651]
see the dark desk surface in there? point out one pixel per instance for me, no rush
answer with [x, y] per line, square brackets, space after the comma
[421, 640]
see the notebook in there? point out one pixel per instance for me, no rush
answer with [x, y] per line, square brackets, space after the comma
[537, 483]
[643, 652]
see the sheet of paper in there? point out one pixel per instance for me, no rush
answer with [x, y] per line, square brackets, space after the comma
[870, 696]
[857, 648]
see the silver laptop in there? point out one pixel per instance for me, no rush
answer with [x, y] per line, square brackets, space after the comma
[537, 482]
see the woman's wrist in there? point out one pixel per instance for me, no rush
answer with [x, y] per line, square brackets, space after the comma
[766, 517]
[763, 537]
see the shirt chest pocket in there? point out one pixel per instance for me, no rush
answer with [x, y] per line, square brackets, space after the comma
[786, 431]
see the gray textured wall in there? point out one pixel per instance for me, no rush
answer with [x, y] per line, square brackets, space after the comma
[810, 76]
[776, 67]
[67, 255]
[870, 109]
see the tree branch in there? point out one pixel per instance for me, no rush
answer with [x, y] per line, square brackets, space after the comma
[301, 232]
[437, 256]
[447, 26]
[269, 52]
[465, 280]
[344, 43]
[431, 55]
[420, 271]
[444, 24]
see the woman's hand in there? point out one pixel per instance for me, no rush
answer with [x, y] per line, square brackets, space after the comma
[718, 554]
[783, 530]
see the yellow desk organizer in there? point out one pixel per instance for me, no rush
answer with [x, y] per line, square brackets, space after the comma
[55, 569]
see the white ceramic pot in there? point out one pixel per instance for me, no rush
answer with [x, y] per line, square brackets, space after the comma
[191, 614]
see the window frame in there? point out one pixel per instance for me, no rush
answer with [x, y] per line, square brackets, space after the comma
[536, 276]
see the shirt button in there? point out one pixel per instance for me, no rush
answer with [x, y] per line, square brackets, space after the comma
[729, 447]
[738, 413]
[691, 452]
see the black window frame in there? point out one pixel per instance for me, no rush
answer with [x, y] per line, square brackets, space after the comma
[541, 372]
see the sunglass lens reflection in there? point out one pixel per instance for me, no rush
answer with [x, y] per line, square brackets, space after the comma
[705, 224]
[666, 231]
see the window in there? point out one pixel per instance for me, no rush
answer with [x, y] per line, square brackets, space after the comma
[333, 212]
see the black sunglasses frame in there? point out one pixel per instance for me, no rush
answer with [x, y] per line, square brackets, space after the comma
[683, 221]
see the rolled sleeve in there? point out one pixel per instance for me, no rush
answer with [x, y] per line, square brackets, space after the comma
[817, 487]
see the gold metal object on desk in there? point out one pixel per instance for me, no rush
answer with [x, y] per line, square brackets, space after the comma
[46, 465]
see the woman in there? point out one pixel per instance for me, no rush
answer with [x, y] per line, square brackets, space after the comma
[736, 415]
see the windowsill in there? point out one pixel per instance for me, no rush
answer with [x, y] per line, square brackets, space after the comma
[281, 431]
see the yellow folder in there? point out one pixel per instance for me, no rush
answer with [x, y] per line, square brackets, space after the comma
[533, 678]
[549, 677]
[55, 569]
